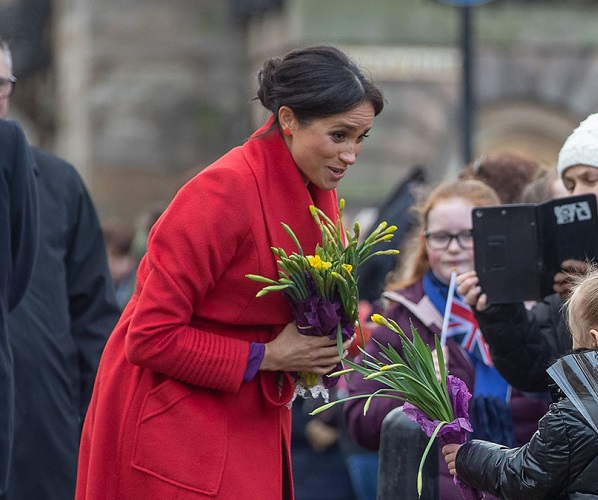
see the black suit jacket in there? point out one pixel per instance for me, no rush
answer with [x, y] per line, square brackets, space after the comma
[57, 334]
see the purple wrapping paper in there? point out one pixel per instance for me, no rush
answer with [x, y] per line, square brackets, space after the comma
[452, 432]
[319, 317]
[316, 317]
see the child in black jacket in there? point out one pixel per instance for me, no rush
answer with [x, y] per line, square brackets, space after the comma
[561, 459]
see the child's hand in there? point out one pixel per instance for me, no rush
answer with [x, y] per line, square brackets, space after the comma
[450, 455]
[468, 287]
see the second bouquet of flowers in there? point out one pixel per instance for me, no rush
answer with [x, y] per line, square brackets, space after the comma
[322, 288]
[438, 402]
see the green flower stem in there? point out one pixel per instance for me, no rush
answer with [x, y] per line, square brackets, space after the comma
[339, 342]
[280, 253]
[327, 406]
[409, 385]
[423, 459]
[356, 231]
[300, 261]
[340, 373]
[329, 287]
[369, 241]
[289, 268]
[293, 237]
[318, 280]
[321, 216]
[380, 252]
[261, 279]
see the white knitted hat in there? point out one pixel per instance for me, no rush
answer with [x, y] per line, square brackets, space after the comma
[581, 147]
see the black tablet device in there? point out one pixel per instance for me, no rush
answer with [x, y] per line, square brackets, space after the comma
[519, 248]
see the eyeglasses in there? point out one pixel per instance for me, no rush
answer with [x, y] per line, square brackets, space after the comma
[441, 240]
[7, 85]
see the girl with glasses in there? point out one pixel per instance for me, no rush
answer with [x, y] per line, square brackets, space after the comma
[418, 295]
[7, 85]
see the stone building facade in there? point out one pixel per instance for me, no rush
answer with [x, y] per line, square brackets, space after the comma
[140, 94]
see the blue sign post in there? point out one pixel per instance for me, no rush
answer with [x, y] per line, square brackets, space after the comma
[468, 108]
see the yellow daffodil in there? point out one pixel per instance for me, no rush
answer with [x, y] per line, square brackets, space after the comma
[379, 319]
[316, 262]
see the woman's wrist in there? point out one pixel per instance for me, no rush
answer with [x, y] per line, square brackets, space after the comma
[254, 361]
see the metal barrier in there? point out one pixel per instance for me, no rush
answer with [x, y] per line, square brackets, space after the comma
[402, 445]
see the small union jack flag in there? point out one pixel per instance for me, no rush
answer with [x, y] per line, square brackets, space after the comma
[464, 328]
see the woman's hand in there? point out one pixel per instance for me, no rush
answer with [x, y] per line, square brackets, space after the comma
[294, 352]
[450, 455]
[572, 270]
[469, 288]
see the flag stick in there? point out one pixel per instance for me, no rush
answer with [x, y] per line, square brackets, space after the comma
[447, 309]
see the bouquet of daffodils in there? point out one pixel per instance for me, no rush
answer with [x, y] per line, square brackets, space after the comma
[322, 288]
[439, 404]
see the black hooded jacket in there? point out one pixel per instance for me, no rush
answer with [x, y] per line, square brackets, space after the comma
[18, 243]
[559, 462]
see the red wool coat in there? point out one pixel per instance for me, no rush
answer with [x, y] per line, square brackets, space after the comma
[170, 415]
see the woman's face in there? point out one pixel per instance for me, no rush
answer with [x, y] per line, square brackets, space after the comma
[324, 148]
[450, 216]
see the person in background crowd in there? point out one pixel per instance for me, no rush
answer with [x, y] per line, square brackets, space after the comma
[524, 343]
[193, 390]
[418, 296]
[319, 468]
[546, 186]
[142, 229]
[397, 210]
[561, 459]
[507, 172]
[119, 247]
[18, 243]
[58, 331]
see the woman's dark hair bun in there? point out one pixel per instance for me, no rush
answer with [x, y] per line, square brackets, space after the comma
[267, 82]
[315, 82]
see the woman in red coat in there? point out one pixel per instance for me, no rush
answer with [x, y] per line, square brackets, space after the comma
[192, 395]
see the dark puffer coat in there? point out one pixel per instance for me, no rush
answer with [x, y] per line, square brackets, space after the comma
[559, 462]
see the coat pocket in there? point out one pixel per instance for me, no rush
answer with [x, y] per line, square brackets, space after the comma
[181, 436]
